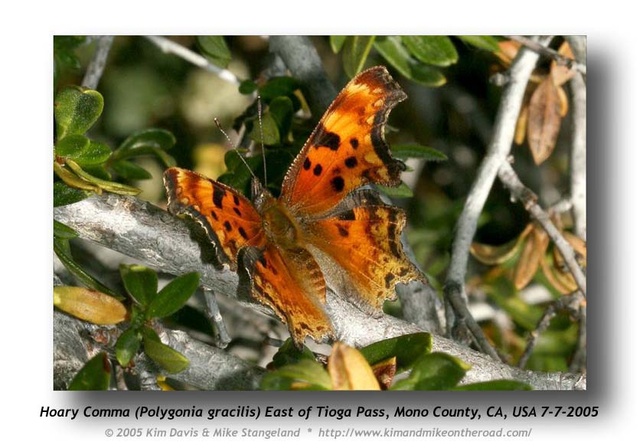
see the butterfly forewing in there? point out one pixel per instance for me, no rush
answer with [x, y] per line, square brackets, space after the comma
[230, 219]
[347, 149]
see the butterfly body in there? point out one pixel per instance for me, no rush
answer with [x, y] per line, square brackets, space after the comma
[323, 231]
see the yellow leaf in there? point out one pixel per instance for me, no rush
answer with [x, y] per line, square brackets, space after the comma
[349, 370]
[492, 255]
[90, 305]
[521, 125]
[544, 120]
[508, 51]
[564, 101]
[563, 282]
[579, 245]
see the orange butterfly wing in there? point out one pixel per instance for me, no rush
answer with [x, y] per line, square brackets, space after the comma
[287, 280]
[347, 149]
[365, 243]
[319, 229]
[229, 219]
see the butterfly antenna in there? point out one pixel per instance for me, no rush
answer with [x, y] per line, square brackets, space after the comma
[233, 146]
[264, 158]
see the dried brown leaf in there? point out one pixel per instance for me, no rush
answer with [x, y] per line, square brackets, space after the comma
[491, 255]
[544, 121]
[521, 125]
[563, 282]
[532, 253]
[560, 72]
[508, 51]
[385, 371]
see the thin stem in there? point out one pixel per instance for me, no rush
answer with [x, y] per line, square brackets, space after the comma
[510, 179]
[571, 303]
[579, 156]
[498, 150]
[543, 50]
[98, 62]
[169, 46]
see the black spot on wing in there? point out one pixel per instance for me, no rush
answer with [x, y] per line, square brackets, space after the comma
[337, 183]
[354, 143]
[317, 170]
[326, 139]
[218, 195]
[351, 162]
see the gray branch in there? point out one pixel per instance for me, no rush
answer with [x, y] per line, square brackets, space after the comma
[163, 242]
[98, 62]
[498, 150]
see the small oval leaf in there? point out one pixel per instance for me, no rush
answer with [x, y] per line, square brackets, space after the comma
[396, 54]
[127, 346]
[415, 151]
[406, 349]
[435, 371]
[94, 375]
[170, 360]
[140, 282]
[303, 375]
[90, 305]
[435, 50]
[215, 49]
[76, 109]
[173, 296]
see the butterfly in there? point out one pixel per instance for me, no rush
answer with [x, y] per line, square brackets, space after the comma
[323, 230]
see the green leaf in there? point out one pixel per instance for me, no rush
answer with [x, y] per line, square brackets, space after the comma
[278, 86]
[82, 150]
[76, 109]
[170, 360]
[128, 345]
[147, 142]
[270, 134]
[488, 43]
[102, 184]
[71, 146]
[401, 191]
[495, 385]
[397, 55]
[140, 282]
[237, 175]
[435, 371]
[94, 375]
[434, 50]
[288, 354]
[64, 52]
[355, 51]
[281, 109]
[304, 375]
[415, 151]
[407, 349]
[337, 42]
[173, 296]
[61, 249]
[63, 194]
[247, 87]
[130, 170]
[62, 231]
[215, 49]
